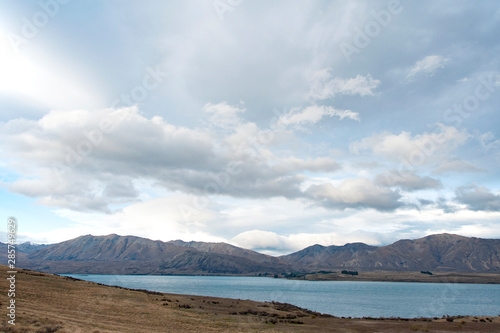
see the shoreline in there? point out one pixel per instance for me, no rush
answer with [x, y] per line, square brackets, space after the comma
[66, 304]
[374, 276]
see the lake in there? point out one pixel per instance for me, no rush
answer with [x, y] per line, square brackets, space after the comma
[338, 298]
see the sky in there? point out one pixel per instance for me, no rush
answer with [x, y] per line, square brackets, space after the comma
[268, 125]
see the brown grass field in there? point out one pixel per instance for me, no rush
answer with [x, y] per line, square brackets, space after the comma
[49, 303]
[391, 276]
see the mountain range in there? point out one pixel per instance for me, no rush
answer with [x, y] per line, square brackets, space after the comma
[113, 254]
[443, 252]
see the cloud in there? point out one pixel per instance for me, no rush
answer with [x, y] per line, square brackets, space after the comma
[158, 219]
[321, 164]
[324, 86]
[429, 65]
[224, 115]
[93, 160]
[258, 239]
[455, 165]
[355, 193]
[408, 181]
[427, 147]
[277, 244]
[206, 132]
[489, 143]
[478, 198]
[313, 114]
[88, 160]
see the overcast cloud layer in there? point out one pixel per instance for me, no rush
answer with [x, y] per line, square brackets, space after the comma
[272, 126]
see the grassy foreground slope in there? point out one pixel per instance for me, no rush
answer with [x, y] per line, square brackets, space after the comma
[49, 303]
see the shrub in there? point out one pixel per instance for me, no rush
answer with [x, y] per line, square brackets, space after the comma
[49, 329]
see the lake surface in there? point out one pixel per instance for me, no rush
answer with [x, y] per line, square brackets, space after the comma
[338, 298]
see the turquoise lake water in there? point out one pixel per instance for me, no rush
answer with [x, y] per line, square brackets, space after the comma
[338, 298]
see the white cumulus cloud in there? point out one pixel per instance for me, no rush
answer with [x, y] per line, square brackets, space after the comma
[355, 193]
[427, 147]
[313, 114]
[324, 86]
[429, 65]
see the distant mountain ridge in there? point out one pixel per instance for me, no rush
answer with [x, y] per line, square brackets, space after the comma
[443, 252]
[113, 254]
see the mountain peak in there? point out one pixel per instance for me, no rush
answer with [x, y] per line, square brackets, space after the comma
[445, 236]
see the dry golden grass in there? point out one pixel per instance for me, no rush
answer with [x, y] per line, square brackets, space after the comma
[49, 303]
